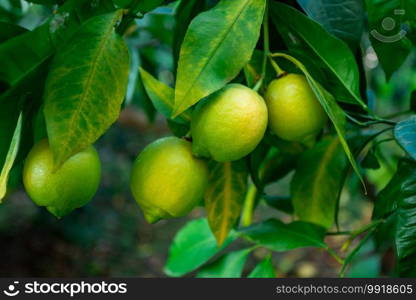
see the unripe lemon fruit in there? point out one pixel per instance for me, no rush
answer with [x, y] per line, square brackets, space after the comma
[61, 191]
[166, 180]
[295, 113]
[228, 124]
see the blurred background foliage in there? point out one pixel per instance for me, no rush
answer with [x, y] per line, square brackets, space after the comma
[109, 236]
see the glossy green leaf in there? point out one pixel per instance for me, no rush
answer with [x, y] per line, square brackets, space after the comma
[217, 45]
[388, 37]
[86, 86]
[192, 246]
[304, 33]
[343, 19]
[225, 196]
[332, 109]
[228, 266]
[405, 238]
[278, 236]
[405, 134]
[162, 97]
[264, 269]
[318, 182]
[10, 158]
[386, 201]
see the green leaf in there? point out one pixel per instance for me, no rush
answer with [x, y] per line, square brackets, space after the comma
[264, 269]
[405, 134]
[9, 30]
[184, 13]
[405, 239]
[225, 196]
[307, 35]
[386, 201]
[318, 182]
[10, 158]
[86, 86]
[192, 246]
[278, 236]
[228, 266]
[332, 109]
[162, 97]
[217, 45]
[390, 41]
[343, 19]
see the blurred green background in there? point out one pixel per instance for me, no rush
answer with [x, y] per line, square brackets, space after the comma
[109, 236]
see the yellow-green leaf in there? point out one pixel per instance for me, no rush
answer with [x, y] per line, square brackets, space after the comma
[86, 86]
[224, 197]
[10, 158]
[162, 97]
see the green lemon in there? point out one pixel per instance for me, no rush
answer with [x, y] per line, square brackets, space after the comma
[295, 113]
[228, 124]
[61, 191]
[166, 180]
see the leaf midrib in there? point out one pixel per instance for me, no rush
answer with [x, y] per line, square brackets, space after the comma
[87, 86]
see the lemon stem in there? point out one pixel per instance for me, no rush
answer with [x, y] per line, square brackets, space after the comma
[266, 49]
[279, 71]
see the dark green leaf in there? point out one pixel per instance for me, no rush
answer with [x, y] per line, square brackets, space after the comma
[387, 199]
[278, 236]
[370, 161]
[304, 33]
[343, 19]
[413, 101]
[405, 134]
[228, 266]
[318, 181]
[225, 196]
[217, 45]
[46, 2]
[264, 269]
[86, 86]
[24, 53]
[8, 31]
[406, 228]
[386, 33]
[280, 203]
[192, 246]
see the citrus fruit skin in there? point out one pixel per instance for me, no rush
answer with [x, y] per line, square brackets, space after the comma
[61, 191]
[166, 180]
[295, 113]
[228, 124]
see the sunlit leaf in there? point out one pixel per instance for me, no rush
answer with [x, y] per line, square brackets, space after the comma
[217, 45]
